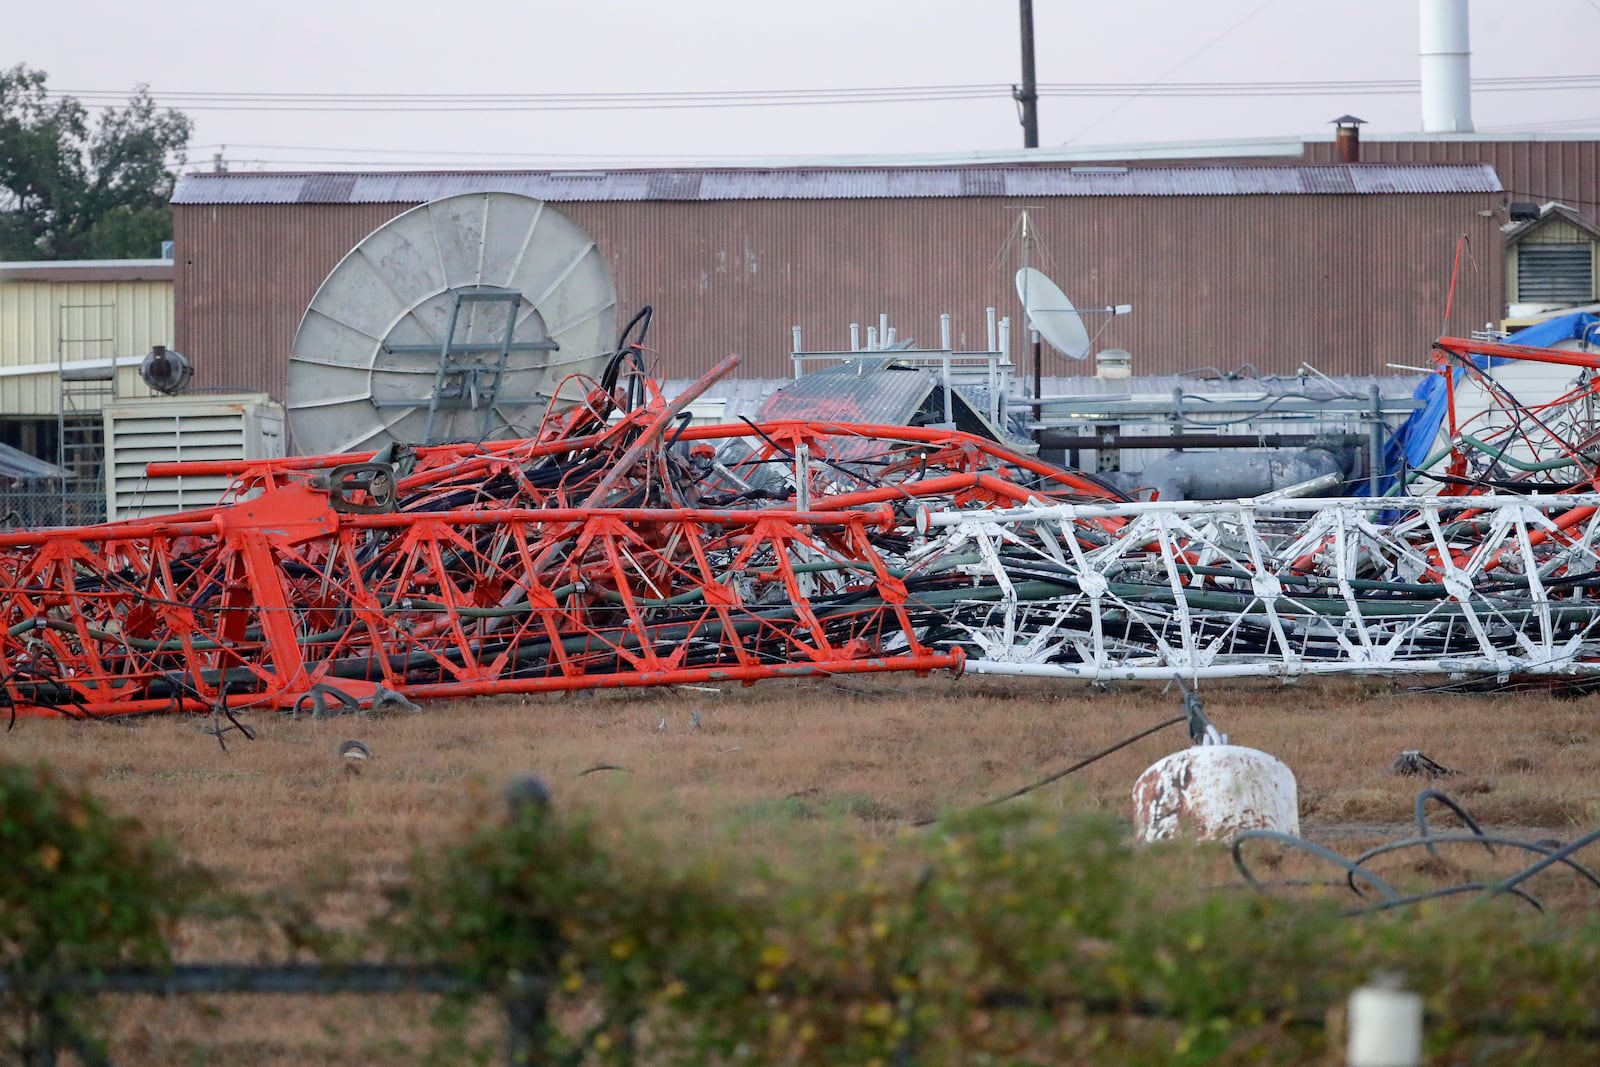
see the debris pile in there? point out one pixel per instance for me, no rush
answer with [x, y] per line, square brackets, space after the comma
[621, 545]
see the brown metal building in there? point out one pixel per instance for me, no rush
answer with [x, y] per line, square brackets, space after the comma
[1343, 266]
[1538, 169]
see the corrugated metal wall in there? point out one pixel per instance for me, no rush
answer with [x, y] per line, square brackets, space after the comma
[1346, 283]
[41, 321]
[244, 276]
[1564, 171]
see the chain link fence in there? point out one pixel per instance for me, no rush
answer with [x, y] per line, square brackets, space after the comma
[34, 507]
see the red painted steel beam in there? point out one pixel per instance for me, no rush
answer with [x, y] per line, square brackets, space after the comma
[1458, 346]
[258, 603]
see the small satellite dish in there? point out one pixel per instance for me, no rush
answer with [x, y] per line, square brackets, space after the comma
[1052, 314]
[166, 371]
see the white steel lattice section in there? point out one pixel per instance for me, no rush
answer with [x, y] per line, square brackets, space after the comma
[1482, 585]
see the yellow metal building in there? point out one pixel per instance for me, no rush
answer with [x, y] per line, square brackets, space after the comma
[93, 319]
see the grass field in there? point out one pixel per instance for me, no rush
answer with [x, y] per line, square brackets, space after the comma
[771, 768]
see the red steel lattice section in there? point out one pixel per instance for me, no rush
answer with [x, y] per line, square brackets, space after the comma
[604, 552]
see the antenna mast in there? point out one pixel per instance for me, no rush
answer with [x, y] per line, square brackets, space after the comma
[1033, 330]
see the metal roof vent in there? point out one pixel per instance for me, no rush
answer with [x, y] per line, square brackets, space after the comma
[1347, 139]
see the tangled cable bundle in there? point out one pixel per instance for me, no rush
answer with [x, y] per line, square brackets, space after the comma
[1377, 893]
[619, 546]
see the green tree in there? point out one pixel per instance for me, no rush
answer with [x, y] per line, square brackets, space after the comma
[70, 189]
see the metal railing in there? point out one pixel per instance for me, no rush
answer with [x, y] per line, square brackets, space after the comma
[526, 1001]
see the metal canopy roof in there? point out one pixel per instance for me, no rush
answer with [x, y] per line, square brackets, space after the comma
[878, 389]
[823, 183]
[17, 466]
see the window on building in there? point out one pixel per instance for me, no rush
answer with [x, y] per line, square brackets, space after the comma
[1555, 273]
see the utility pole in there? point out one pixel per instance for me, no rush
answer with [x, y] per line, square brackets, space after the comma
[1027, 95]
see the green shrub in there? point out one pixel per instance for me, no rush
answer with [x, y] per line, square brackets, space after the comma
[998, 937]
[82, 891]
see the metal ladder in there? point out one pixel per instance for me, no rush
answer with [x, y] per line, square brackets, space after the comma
[86, 369]
[470, 373]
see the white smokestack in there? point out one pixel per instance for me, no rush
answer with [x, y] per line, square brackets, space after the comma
[1446, 67]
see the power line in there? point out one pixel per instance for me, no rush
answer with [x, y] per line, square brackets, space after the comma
[1175, 68]
[251, 101]
[458, 154]
[1590, 122]
[562, 95]
[209, 100]
[1401, 84]
[1569, 201]
[1393, 87]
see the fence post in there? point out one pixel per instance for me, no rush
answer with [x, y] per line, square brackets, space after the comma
[1385, 1024]
[42, 1052]
[527, 1022]
[527, 1002]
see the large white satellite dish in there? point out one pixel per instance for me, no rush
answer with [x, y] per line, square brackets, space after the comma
[455, 321]
[1052, 314]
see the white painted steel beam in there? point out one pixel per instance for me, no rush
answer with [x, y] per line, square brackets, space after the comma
[1480, 585]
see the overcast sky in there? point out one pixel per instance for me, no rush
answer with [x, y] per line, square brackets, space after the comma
[608, 46]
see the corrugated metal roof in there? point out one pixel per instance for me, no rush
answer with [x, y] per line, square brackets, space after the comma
[746, 396]
[880, 390]
[73, 264]
[240, 188]
[87, 270]
[742, 397]
[814, 183]
[1160, 387]
[16, 465]
[875, 391]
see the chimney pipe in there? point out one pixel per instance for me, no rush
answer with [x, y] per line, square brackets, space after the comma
[1446, 56]
[1347, 139]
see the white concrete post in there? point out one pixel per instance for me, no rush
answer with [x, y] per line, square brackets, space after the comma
[1385, 1028]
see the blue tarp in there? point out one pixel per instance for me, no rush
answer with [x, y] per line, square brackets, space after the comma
[1409, 446]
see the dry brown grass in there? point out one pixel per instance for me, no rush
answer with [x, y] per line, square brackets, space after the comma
[771, 767]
